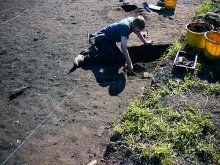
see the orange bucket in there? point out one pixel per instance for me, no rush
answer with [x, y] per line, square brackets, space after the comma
[170, 4]
[212, 45]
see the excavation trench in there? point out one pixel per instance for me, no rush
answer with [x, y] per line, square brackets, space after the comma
[128, 7]
[144, 60]
[144, 57]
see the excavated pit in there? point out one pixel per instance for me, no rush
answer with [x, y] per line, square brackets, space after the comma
[128, 7]
[144, 57]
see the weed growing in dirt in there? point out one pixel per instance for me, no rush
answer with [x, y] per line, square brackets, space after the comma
[173, 49]
[205, 7]
[192, 82]
[153, 97]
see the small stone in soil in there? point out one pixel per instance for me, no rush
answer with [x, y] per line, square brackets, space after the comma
[147, 75]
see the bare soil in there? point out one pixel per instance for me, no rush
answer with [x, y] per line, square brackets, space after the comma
[38, 41]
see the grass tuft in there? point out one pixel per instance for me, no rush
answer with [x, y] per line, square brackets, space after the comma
[173, 49]
[205, 7]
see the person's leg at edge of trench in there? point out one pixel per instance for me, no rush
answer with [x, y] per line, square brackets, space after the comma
[103, 51]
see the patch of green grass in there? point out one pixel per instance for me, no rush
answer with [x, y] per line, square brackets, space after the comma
[154, 97]
[160, 134]
[205, 7]
[193, 82]
[178, 87]
[173, 49]
[159, 153]
[205, 151]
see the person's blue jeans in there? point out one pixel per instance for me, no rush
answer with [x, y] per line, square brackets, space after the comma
[108, 52]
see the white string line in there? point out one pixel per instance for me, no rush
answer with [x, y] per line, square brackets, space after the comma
[7, 21]
[38, 126]
[56, 108]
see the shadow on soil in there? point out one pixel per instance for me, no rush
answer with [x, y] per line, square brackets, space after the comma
[114, 76]
[109, 75]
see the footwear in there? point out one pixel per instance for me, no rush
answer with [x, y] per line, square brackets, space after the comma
[78, 60]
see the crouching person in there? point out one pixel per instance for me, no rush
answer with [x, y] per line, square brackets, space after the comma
[104, 49]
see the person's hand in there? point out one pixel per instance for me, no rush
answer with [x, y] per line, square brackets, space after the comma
[149, 42]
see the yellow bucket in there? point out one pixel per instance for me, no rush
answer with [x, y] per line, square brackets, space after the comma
[170, 4]
[195, 34]
[212, 45]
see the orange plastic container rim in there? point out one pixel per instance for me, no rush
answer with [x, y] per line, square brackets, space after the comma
[216, 42]
[201, 23]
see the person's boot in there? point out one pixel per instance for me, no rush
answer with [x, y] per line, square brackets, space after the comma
[78, 61]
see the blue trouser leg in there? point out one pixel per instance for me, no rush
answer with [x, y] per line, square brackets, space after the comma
[108, 52]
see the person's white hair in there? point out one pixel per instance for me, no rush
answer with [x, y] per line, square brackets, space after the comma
[139, 22]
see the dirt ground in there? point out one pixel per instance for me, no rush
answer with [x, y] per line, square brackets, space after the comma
[38, 41]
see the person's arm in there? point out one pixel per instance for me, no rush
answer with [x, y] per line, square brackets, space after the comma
[124, 49]
[147, 42]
